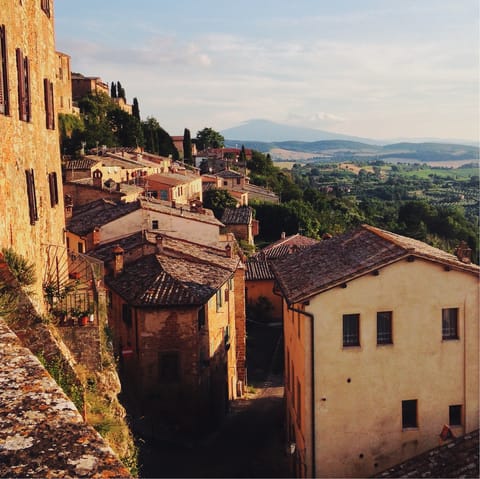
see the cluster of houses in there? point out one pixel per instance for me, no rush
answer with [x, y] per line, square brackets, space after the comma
[381, 332]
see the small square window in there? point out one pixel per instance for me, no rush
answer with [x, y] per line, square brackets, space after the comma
[154, 224]
[409, 414]
[351, 330]
[455, 415]
[384, 327]
[450, 323]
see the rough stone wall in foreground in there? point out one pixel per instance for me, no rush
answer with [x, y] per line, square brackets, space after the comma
[41, 432]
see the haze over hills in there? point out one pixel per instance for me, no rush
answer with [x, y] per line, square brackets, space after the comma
[285, 142]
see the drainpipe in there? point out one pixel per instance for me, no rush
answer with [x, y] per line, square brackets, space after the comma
[312, 369]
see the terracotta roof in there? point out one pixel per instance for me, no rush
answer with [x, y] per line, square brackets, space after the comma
[160, 280]
[98, 213]
[458, 458]
[184, 273]
[229, 174]
[343, 258]
[171, 179]
[237, 216]
[83, 164]
[257, 266]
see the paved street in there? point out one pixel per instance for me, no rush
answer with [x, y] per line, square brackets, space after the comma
[250, 442]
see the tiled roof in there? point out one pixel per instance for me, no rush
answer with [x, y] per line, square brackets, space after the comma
[184, 273]
[98, 213]
[229, 174]
[171, 179]
[257, 269]
[83, 164]
[160, 280]
[257, 266]
[237, 216]
[458, 458]
[285, 246]
[258, 190]
[343, 258]
[41, 432]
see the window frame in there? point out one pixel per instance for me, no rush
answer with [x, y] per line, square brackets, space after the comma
[410, 414]
[455, 413]
[384, 328]
[449, 331]
[354, 341]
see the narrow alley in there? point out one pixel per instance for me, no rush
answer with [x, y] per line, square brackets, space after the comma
[250, 442]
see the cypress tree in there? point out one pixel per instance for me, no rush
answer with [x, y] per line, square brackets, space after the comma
[187, 146]
[121, 91]
[136, 109]
[113, 90]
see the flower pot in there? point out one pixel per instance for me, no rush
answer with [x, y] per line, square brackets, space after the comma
[83, 320]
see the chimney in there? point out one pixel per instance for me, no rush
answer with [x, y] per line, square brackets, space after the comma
[282, 236]
[159, 241]
[228, 251]
[97, 179]
[96, 236]
[464, 253]
[118, 254]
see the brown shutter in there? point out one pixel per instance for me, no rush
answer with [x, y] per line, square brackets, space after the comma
[49, 108]
[4, 104]
[21, 85]
[52, 107]
[32, 198]
[28, 99]
[52, 182]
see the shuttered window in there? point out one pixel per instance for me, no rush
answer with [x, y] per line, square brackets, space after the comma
[4, 104]
[52, 183]
[45, 4]
[49, 108]
[32, 197]
[23, 74]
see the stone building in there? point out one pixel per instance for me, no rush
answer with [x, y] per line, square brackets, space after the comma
[381, 351]
[82, 85]
[241, 223]
[177, 313]
[63, 85]
[31, 197]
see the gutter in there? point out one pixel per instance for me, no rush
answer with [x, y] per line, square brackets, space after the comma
[312, 379]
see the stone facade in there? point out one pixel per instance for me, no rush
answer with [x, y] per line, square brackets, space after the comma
[31, 198]
[63, 84]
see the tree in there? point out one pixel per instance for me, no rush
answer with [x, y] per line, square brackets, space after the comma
[208, 138]
[121, 92]
[136, 109]
[157, 140]
[113, 90]
[217, 200]
[187, 146]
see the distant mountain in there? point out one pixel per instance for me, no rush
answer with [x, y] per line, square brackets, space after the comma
[269, 131]
[340, 150]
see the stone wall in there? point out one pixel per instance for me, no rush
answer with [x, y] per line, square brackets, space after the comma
[29, 145]
[84, 344]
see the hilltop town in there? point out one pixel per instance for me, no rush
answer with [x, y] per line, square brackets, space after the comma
[143, 274]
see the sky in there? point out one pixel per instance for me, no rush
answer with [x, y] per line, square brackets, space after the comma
[380, 69]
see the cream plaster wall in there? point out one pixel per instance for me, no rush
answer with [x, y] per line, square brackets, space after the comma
[359, 423]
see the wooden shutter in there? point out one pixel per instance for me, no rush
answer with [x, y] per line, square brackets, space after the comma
[52, 183]
[49, 104]
[4, 104]
[28, 99]
[45, 4]
[32, 198]
[21, 85]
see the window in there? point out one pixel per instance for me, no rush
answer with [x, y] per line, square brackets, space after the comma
[4, 105]
[45, 4]
[351, 330]
[409, 413]
[238, 181]
[164, 195]
[169, 367]
[384, 327]
[450, 323]
[49, 107]
[80, 247]
[225, 183]
[201, 318]
[219, 298]
[52, 183]
[32, 197]
[455, 415]
[154, 224]
[127, 315]
[23, 75]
